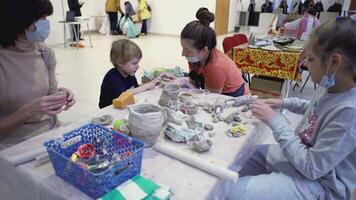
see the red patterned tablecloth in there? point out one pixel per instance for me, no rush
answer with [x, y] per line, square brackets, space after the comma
[280, 64]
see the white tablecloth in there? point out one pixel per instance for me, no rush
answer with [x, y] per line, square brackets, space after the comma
[38, 181]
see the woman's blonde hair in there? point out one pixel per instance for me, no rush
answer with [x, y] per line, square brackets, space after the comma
[336, 36]
[124, 50]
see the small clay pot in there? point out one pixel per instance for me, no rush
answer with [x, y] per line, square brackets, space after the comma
[146, 122]
[169, 94]
[185, 97]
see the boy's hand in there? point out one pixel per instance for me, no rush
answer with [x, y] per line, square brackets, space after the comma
[152, 84]
[263, 111]
[168, 76]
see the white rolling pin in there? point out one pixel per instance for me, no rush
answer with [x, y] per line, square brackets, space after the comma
[197, 162]
[27, 156]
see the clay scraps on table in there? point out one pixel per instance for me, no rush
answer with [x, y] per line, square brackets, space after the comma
[181, 134]
[189, 108]
[173, 117]
[202, 145]
[233, 117]
[236, 131]
[208, 127]
[103, 120]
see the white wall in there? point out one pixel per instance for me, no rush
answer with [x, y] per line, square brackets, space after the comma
[232, 15]
[346, 6]
[170, 17]
[90, 8]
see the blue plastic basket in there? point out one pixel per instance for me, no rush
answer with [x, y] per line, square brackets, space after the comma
[96, 185]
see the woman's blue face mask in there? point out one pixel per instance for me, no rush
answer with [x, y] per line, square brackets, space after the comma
[41, 32]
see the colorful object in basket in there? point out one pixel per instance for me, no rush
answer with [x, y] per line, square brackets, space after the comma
[139, 188]
[118, 158]
[125, 98]
[84, 151]
[279, 64]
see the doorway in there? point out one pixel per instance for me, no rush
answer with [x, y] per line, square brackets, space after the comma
[222, 16]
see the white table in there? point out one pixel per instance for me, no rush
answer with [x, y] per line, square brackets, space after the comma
[39, 181]
[76, 34]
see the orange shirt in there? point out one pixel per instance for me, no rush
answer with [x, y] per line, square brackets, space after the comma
[220, 72]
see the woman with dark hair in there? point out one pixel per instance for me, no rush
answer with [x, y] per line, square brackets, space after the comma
[209, 68]
[29, 96]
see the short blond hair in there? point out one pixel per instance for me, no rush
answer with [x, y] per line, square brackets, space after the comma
[124, 50]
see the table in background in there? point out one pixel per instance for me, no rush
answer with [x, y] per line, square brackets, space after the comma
[278, 64]
[76, 34]
[40, 182]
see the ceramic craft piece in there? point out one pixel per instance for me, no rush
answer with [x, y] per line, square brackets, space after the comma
[189, 108]
[145, 122]
[201, 146]
[185, 97]
[180, 134]
[169, 94]
[103, 120]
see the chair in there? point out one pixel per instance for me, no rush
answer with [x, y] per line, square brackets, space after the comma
[240, 38]
[304, 68]
[233, 41]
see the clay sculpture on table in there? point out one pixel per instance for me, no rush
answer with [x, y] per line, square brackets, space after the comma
[180, 134]
[201, 146]
[185, 97]
[169, 94]
[146, 122]
[103, 120]
[189, 108]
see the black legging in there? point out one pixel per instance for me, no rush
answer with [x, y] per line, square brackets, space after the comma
[113, 20]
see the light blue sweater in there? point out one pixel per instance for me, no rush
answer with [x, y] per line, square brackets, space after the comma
[331, 159]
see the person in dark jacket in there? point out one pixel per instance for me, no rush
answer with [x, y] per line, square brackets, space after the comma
[267, 7]
[318, 8]
[74, 6]
[336, 7]
[284, 6]
[252, 13]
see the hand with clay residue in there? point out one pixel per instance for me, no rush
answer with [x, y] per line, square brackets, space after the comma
[263, 111]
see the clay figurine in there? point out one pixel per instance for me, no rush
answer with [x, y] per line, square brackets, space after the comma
[201, 146]
[103, 120]
[208, 127]
[180, 134]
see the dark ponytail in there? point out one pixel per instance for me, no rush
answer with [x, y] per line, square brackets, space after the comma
[199, 30]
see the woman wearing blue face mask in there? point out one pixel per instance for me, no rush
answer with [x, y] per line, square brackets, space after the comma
[317, 160]
[209, 68]
[29, 96]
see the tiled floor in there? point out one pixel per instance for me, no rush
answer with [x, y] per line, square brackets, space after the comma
[82, 70]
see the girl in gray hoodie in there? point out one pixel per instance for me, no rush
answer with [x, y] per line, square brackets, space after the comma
[317, 160]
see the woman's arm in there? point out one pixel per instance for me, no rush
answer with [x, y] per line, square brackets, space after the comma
[50, 105]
